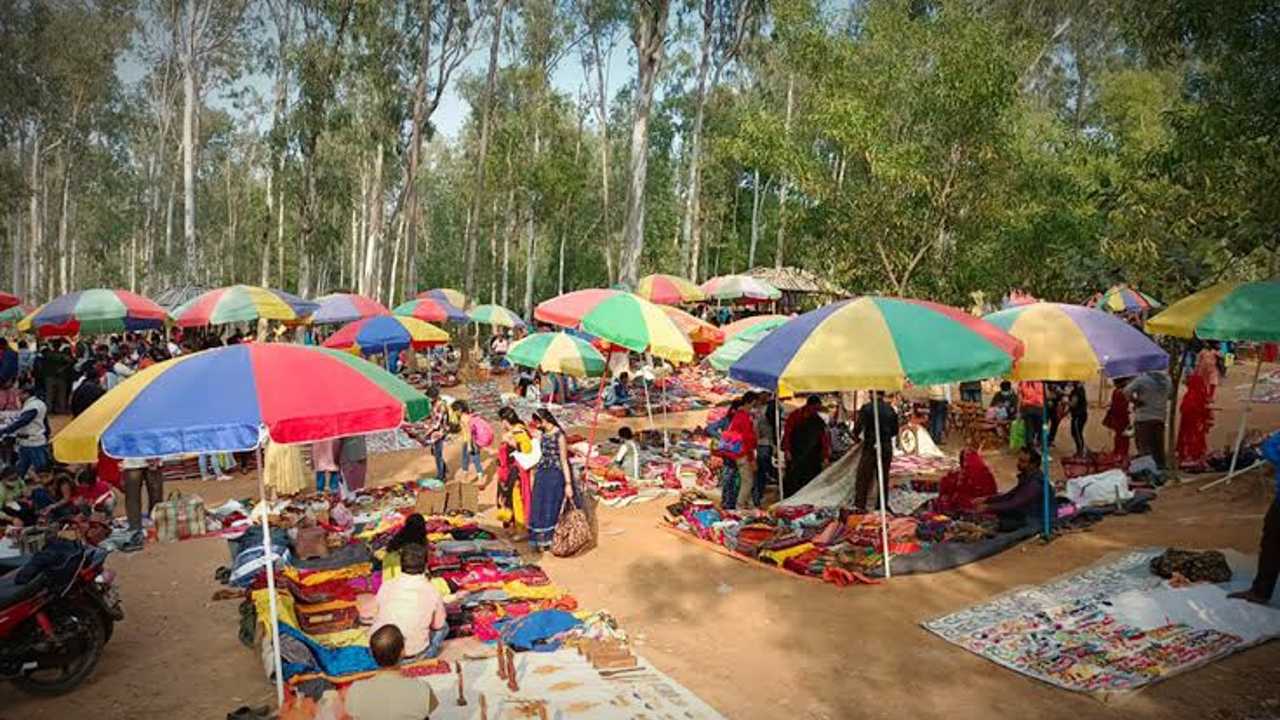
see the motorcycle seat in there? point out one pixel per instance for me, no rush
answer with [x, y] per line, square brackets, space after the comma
[12, 593]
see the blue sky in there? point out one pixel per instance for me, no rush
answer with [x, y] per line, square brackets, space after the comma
[453, 111]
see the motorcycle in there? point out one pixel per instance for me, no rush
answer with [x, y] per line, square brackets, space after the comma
[58, 609]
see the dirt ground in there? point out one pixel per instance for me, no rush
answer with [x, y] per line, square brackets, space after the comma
[752, 643]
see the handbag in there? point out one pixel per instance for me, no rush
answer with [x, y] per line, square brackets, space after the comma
[180, 517]
[573, 531]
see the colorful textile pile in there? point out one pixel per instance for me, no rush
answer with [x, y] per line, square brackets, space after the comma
[686, 464]
[1114, 627]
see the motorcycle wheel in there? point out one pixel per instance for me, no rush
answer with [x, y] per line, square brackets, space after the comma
[49, 682]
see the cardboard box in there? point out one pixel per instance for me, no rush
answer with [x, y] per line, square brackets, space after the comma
[462, 497]
[431, 502]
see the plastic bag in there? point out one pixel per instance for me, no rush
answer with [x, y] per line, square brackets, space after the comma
[1017, 434]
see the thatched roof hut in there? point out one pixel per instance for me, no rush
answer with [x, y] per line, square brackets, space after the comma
[800, 288]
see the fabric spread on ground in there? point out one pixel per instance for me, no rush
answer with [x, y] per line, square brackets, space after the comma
[1115, 626]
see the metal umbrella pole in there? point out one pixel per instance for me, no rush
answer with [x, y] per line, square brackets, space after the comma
[884, 500]
[1244, 422]
[271, 582]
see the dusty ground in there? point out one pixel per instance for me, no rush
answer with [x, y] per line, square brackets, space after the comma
[752, 643]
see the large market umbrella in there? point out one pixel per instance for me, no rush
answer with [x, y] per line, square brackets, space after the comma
[1124, 299]
[1070, 342]
[93, 312]
[227, 399]
[877, 343]
[699, 332]
[1234, 311]
[242, 303]
[621, 318]
[496, 316]
[338, 308]
[432, 310]
[742, 341]
[9, 300]
[14, 315]
[739, 287]
[386, 333]
[668, 290]
[455, 298]
[732, 329]
[1073, 343]
[557, 352]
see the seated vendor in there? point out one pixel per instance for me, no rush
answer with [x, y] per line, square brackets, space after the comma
[389, 694]
[411, 603]
[1018, 507]
[92, 492]
[413, 532]
[619, 392]
[628, 455]
[15, 502]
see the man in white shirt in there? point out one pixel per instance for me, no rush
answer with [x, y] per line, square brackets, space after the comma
[31, 433]
[119, 371]
[411, 603]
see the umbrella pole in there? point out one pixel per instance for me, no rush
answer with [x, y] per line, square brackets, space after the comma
[1045, 463]
[1244, 421]
[648, 406]
[778, 455]
[595, 416]
[884, 499]
[271, 583]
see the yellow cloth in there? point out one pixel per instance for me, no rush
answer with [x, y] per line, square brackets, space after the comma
[518, 589]
[781, 556]
[441, 587]
[349, 572]
[356, 637]
[284, 470]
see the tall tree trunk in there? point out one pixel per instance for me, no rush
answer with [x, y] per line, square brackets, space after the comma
[168, 219]
[63, 284]
[649, 35]
[529, 264]
[33, 237]
[560, 279]
[506, 242]
[375, 224]
[482, 154]
[755, 218]
[265, 260]
[688, 231]
[602, 118]
[780, 248]
[493, 254]
[189, 101]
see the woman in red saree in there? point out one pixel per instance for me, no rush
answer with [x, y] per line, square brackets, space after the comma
[1196, 418]
[1117, 421]
[960, 488]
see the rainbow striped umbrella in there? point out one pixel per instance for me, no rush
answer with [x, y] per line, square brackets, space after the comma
[742, 341]
[878, 343]
[219, 400]
[1070, 342]
[241, 303]
[14, 315]
[431, 310]
[383, 333]
[621, 318]
[94, 312]
[739, 287]
[557, 352]
[1124, 299]
[737, 326]
[495, 315]
[346, 307]
[698, 331]
[1247, 311]
[454, 297]
[668, 290]
[9, 300]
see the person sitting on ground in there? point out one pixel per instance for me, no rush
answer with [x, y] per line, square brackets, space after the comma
[410, 602]
[389, 694]
[93, 492]
[413, 532]
[628, 455]
[1016, 508]
[1264, 580]
[961, 488]
[619, 392]
[1005, 402]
